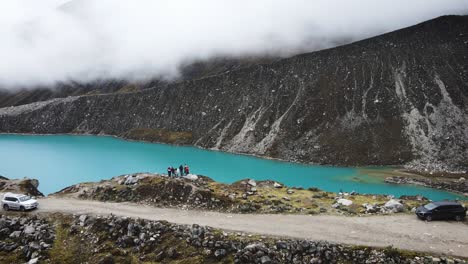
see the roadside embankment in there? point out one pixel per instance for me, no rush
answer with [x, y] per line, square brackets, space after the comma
[58, 238]
[245, 196]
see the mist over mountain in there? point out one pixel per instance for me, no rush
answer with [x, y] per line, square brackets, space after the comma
[396, 99]
[55, 41]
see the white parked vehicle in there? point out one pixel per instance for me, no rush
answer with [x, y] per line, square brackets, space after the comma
[12, 201]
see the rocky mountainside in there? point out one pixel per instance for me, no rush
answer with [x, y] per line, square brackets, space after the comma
[399, 98]
[189, 71]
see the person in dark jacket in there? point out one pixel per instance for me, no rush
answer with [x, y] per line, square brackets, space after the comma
[169, 171]
[181, 169]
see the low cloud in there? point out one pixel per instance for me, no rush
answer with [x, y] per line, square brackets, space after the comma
[49, 41]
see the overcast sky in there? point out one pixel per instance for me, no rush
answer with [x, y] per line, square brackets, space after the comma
[45, 41]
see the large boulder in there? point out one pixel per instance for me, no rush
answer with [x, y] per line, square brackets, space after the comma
[25, 185]
[252, 182]
[394, 206]
[344, 202]
[131, 180]
[192, 177]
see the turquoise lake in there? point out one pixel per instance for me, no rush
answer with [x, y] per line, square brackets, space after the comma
[58, 161]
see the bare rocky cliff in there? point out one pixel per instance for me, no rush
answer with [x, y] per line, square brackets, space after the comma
[399, 98]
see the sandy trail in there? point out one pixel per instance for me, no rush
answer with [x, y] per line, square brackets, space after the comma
[401, 231]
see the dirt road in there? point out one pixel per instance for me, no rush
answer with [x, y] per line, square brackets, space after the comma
[401, 231]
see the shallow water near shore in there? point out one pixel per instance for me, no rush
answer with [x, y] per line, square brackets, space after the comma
[58, 161]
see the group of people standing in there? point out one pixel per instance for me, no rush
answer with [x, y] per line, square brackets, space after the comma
[176, 172]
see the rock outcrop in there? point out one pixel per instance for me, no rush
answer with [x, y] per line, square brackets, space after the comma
[245, 196]
[459, 185]
[24, 186]
[399, 98]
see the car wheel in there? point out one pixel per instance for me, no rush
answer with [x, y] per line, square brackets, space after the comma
[458, 218]
[428, 218]
[5, 207]
[22, 209]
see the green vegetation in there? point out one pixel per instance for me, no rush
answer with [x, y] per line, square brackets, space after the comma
[68, 248]
[130, 88]
[159, 135]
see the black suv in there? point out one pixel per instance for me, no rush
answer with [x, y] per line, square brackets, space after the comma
[441, 210]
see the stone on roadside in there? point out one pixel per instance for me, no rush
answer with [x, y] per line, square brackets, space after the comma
[83, 218]
[277, 185]
[265, 260]
[33, 261]
[394, 205]
[15, 234]
[29, 230]
[220, 253]
[344, 202]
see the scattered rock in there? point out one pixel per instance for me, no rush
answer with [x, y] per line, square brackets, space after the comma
[131, 180]
[29, 230]
[394, 205]
[140, 237]
[82, 219]
[220, 253]
[277, 185]
[252, 182]
[344, 202]
[33, 261]
[15, 234]
[265, 260]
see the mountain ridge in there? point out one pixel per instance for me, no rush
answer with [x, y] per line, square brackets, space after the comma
[393, 99]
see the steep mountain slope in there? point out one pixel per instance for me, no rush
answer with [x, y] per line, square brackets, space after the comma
[399, 98]
[193, 70]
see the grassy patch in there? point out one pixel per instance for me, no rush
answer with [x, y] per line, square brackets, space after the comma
[68, 248]
[159, 135]
[130, 88]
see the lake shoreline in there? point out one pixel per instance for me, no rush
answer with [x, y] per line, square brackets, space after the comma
[438, 181]
[244, 196]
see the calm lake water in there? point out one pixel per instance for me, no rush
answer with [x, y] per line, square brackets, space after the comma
[58, 161]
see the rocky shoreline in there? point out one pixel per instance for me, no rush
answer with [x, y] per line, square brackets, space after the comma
[59, 239]
[453, 185]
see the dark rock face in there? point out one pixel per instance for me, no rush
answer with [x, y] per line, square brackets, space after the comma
[400, 98]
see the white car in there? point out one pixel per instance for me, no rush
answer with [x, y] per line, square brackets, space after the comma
[12, 201]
